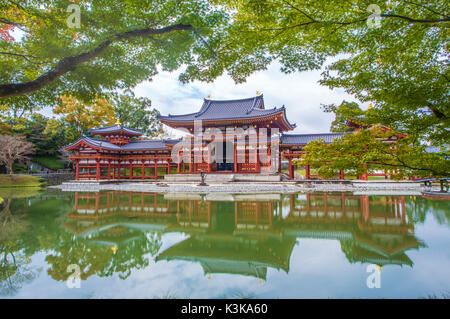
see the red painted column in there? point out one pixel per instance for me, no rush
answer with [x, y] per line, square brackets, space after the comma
[256, 159]
[97, 170]
[342, 175]
[77, 174]
[291, 171]
[235, 158]
[156, 169]
[178, 166]
[143, 169]
[307, 172]
[209, 159]
[279, 161]
[109, 169]
[118, 171]
[364, 175]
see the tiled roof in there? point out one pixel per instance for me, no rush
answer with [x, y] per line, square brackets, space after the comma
[303, 139]
[148, 145]
[113, 129]
[96, 143]
[132, 146]
[227, 109]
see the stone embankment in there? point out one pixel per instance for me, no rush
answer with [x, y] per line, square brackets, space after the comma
[357, 187]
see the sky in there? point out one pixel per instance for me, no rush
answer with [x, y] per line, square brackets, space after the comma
[299, 92]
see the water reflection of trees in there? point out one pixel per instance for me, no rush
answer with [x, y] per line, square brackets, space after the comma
[419, 208]
[246, 234]
[115, 233]
[15, 269]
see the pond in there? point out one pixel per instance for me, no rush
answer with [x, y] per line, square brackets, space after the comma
[143, 245]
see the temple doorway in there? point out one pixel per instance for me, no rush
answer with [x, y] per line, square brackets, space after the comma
[224, 160]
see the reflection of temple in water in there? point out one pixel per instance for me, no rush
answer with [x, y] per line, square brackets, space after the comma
[246, 234]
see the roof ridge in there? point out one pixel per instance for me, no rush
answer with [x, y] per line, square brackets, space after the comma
[253, 105]
[328, 133]
[236, 100]
[204, 108]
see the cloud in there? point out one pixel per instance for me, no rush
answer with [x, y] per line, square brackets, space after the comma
[299, 92]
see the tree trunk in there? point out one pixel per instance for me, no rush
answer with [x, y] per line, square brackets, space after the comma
[9, 166]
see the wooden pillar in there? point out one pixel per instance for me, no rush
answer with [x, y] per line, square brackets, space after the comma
[256, 158]
[178, 165]
[143, 169]
[190, 163]
[235, 158]
[279, 161]
[77, 168]
[341, 174]
[291, 171]
[168, 167]
[156, 169]
[364, 175]
[118, 170]
[89, 171]
[209, 159]
[109, 169]
[307, 171]
[97, 172]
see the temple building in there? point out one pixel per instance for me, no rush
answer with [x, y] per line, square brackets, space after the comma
[224, 136]
[256, 145]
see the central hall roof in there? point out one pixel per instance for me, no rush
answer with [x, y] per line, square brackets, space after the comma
[116, 128]
[211, 110]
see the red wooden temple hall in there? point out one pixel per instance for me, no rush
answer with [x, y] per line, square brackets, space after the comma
[119, 153]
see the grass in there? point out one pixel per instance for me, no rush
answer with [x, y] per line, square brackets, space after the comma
[7, 181]
[25, 192]
[49, 162]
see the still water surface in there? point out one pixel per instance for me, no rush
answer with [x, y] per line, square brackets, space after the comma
[145, 245]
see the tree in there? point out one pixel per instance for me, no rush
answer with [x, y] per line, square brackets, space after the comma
[367, 149]
[117, 45]
[14, 148]
[134, 112]
[343, 113]
[83, 116]
[396, 57]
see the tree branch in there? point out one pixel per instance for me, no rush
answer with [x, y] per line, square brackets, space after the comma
[68, 64]
[412, 20]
